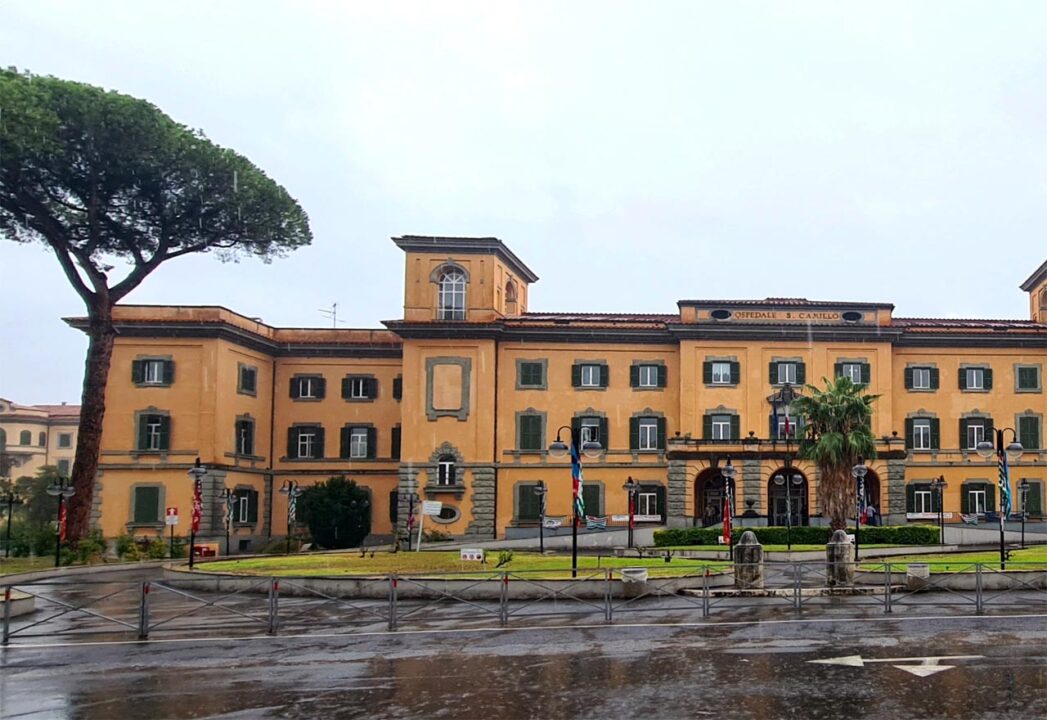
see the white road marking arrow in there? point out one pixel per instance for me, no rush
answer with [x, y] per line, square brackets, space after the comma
[928, 665]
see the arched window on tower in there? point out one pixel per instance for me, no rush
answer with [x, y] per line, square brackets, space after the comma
[511, 306]
[451, 295]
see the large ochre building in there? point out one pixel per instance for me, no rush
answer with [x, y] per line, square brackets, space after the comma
[459, 400]
[35, 436]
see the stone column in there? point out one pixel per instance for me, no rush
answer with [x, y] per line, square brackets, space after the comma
[676, 495]
[407, 486]
[751, 487]
[210, 513]
[484, 504]
[839, 566]
[894, 511]
[748, 562]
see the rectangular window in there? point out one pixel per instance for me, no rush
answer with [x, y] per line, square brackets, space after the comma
[975, 378]
[358, 388]
[1029, 432]
[975, 434]
[307, 388]
[531, 374]
[852, 371]
[648, 434]
[591, 496]
[921, 434]
[786, 373]
[921, 379]
[591, 375]
[147, 504]
[721, 373]
[530, 432]
[306, 443]
[591, 429]
[398, 388]
[248, 383]
[63, 468]
[358, 442]
[528, 503]
[153, 432]
[245, 437]
[976, 501]
[445, 472]
[245, 506]
[154, 372]
[65, 440]
[1028, 378]
[648, 376]
[922, 501]
[721, 427]
[647, 503]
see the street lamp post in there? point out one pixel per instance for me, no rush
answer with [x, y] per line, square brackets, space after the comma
[540, 490]
[788, 479]
[410, 519]
[196, 472]
[632, 488]
[728, 474]
[938, 485]
[1023, 492]
[229, 496]
[578, 447]
[292, 490]
[1013, 452]
[63, 491]
[12, 500]
[858, 472]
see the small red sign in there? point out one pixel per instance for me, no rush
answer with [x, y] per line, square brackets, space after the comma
[172, 511]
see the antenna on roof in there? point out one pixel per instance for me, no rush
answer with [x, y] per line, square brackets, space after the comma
[333, 314]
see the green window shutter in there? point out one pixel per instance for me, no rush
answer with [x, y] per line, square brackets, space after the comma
[634, 376]
[372, 442]
[345, 388]
[908, 378]
[736, 372]
[962, 377]
[908, 433]
[910, 498]
[963, 433]
[576, 427]
[169, 372]
[990, 497]
[1029, 432]
[591, 498]
[528, 504]
[965, 499]
[605, 376]
[138, 371]
[736, 427]
[319, 452]
[837, 370]
[707, 372]
[605, 439]
[773, 374]
[394, 450]
[143, 433]
[398, 388]
[343, 441]
[936, 435]
[661, 433]
[147, 504]
[801, 373]
[934, 501]
[988, 378]
[321, 387]
[663, 376]
[1034, 500]
[634, 433]
[707, 427]
[990, 431]
[252, 506]
[772, 432]
[294, 388]
[935, 379]
[576, 376]
[866, 373]
[165, 432]
[530, 432]
[372, 388]
[292, 442]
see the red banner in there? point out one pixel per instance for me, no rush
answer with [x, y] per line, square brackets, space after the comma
[197, 507]
[727, 519]
[61, 523]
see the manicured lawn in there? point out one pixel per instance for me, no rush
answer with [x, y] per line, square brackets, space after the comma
[416, 563]
[10, 566]
[1032, 558]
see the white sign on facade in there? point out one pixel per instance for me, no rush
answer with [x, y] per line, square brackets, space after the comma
[432, 507]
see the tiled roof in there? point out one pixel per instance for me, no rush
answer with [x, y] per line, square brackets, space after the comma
[55, 411]
[794, 302]
[967, 323]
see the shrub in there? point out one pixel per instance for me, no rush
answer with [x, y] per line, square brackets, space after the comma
[91, 549]
[435, 536]
[43, 540]
[802, 535]
[127, 548]
[156, 549]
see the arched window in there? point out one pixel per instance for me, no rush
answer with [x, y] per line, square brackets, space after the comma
[3, 439]
[511, 306]
[445, 470]
[43, 439]
[451, 295]
[25, 438]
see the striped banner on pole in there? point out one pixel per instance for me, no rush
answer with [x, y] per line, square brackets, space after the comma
[292, 506]
[1005, 484]
[576, 479]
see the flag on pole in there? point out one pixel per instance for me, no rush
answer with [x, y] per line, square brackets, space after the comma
[788, 425]
[774, 421]
[1005, 485]
[596, 523]
[61, 523]
[197, 507]
[727, 517]
[576, 480]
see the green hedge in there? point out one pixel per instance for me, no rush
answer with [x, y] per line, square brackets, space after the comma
[873, 535]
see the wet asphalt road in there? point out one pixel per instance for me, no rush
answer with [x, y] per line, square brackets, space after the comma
[725, 670]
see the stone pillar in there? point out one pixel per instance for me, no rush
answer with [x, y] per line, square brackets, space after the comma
[484, 504]
[267, 507]
[407, 486]
[96, 502]
[748, 562]
[676, 496]
[893, 513]
[839, 566]
[751, 487]
[210, 504]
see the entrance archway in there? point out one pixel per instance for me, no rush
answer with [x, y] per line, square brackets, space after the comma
[709, 489]
[787, 495]
[872, 492]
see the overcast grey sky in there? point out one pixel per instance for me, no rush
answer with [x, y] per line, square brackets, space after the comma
[631, 153]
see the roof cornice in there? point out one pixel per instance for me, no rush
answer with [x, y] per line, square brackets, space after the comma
[467, 246]
[1036, 278]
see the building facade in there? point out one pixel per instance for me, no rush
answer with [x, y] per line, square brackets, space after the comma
[32, 436]
[459, 400]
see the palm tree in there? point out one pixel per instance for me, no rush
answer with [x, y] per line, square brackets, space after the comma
[838, 433]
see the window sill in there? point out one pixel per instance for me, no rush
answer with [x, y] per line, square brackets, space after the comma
[359, 400]
[241, 391]
[922, 390]
[306, 399]
[653, 388]
[721, 385]
[590, 389]
[244, 525]
[977, 391]
[153, 385]
[431, 489]
[144, 525]
[532, 387]
[1023, 391]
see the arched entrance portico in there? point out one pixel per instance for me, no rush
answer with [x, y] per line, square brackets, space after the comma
[709, 489]
[787, 495]
[872, 491]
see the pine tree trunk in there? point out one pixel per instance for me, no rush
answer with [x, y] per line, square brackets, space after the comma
[835, 495]
[101, 335]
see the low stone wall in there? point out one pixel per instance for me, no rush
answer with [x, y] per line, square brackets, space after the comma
[965, 581]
